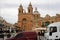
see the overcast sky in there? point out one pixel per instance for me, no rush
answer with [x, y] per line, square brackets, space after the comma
[9, 8]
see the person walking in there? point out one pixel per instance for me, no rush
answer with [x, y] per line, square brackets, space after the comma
[39, 33]
[9, 35]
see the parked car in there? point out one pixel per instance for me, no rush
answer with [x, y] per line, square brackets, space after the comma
[25, 36]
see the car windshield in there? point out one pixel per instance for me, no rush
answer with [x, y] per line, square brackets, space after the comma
[53, 29]
[19, 35]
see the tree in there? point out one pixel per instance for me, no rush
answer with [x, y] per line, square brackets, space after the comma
[47, 23]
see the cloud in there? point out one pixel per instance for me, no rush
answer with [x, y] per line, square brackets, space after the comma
[45, 4]
[8, 5]
[9, 1]
[9, 8]
[9, 14]
[48, 6]
[43, 12]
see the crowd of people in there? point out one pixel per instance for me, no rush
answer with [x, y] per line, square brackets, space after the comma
[7, 33]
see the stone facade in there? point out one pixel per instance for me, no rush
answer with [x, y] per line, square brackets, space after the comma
[30, 20]
[4, 25]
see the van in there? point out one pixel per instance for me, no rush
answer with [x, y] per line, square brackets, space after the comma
[53, 31]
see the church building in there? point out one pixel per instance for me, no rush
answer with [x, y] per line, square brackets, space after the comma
[32, 19]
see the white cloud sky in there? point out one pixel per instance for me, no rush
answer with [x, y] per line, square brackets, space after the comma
[9, 8]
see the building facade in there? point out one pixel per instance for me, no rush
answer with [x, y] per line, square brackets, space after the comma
[30, 20]
[4, 25]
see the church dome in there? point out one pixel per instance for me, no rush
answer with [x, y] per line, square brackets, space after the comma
[36, 12]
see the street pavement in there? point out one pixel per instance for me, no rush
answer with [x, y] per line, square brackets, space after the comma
[38, 38]
[3, 38]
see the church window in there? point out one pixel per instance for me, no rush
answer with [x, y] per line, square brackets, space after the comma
[19, 11]
[52, 21]
[24, 20]
[37, 16]
[29, 10]
[31, 21]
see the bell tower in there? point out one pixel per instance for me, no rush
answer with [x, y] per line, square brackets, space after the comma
[30, 8]
[20, 12]
[20, 9]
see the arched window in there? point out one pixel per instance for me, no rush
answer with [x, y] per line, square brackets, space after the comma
[29, 10]
[52, 21]
[24, 20]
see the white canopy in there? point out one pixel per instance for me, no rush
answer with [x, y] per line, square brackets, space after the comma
[40, 28]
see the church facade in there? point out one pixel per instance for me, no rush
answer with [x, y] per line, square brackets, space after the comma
[30, 20]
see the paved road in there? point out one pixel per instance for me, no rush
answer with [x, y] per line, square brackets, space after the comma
[3, 39]
[40, 37]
